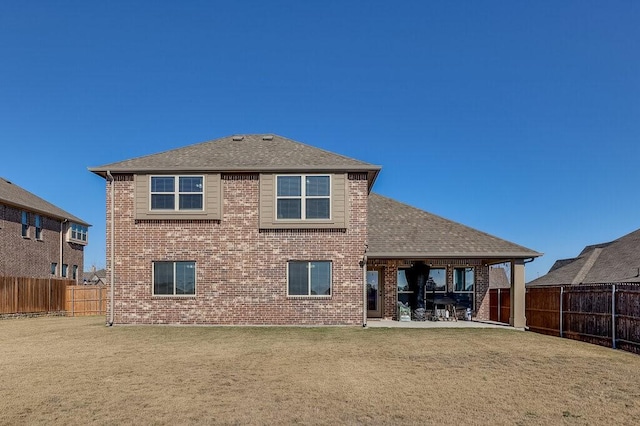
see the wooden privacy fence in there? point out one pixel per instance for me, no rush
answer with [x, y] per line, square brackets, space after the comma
[604, 314]
[23, 295]
[500, 304]
[86, 300]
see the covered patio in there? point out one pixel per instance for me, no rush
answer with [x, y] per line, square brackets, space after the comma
[435, 268]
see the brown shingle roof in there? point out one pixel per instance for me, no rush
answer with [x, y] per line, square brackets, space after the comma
[498, 278]
[246, 153]
[13, 195]
[616, 261]
[399, 230]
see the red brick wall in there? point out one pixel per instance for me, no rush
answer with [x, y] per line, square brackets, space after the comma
[28, 257]
[391, 266]
[240, 270]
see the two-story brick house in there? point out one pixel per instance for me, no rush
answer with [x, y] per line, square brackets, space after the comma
[261, 229]
[37, 238]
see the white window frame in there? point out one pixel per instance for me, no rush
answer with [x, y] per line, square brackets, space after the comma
[53, 269]
[176, 193]
[309, 262]
[78, 234]
[175, 263]
[65, 270]
[303, 197]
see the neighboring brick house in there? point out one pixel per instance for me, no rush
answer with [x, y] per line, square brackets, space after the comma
[38, 239]
[261, 229]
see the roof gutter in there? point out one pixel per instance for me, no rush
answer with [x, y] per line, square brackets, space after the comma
[112, 254]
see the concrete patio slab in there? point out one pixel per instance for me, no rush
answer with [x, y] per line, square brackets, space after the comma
[375, 323]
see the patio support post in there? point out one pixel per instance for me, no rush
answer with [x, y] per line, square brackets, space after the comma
[517, 318]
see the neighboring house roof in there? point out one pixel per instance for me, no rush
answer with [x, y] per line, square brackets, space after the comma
[242, 153]
[397, 230]
[13, 195]
[615, 261]
[99, 276]
[498, 278]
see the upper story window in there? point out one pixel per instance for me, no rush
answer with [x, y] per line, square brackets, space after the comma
[303, 197]
[177, 192]
[25, 224]
[38, 227]
[78, 234]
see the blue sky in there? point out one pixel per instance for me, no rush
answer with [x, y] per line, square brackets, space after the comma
[521, 119]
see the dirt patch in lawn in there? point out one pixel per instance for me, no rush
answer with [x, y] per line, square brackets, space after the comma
[76, 371]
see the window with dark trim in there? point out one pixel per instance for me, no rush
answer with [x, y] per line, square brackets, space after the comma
[309, 278]
[174, 278]
[181, 193]
[463, 280]
[25, 224]
[437, 280]
[38, 227]
[303, 197]
[54, 268]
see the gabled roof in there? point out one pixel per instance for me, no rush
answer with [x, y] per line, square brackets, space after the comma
[242, 153]
[18, 197]
[397, 230]
[615, 261]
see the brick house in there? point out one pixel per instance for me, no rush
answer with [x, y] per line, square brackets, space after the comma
[38, 239]
[261, 229]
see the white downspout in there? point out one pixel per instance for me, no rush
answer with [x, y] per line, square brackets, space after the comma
[364, 290]
[112, 241]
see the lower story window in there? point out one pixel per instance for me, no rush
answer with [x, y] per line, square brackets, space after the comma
[174, 278]
[463, 286]
[309, 278]
[65, 268]
[463, 280]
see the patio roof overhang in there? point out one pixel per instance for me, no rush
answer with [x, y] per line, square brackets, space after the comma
[448, 255]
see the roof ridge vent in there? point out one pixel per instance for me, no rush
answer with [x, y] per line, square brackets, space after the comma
[238, 138]
[267, 137]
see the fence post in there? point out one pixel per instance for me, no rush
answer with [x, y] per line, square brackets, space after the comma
[561, 306]
[613, 316]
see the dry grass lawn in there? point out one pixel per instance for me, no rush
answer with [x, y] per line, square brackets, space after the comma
[77, 371]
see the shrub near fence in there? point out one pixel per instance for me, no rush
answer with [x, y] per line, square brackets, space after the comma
[604, 314]
[24, 295]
